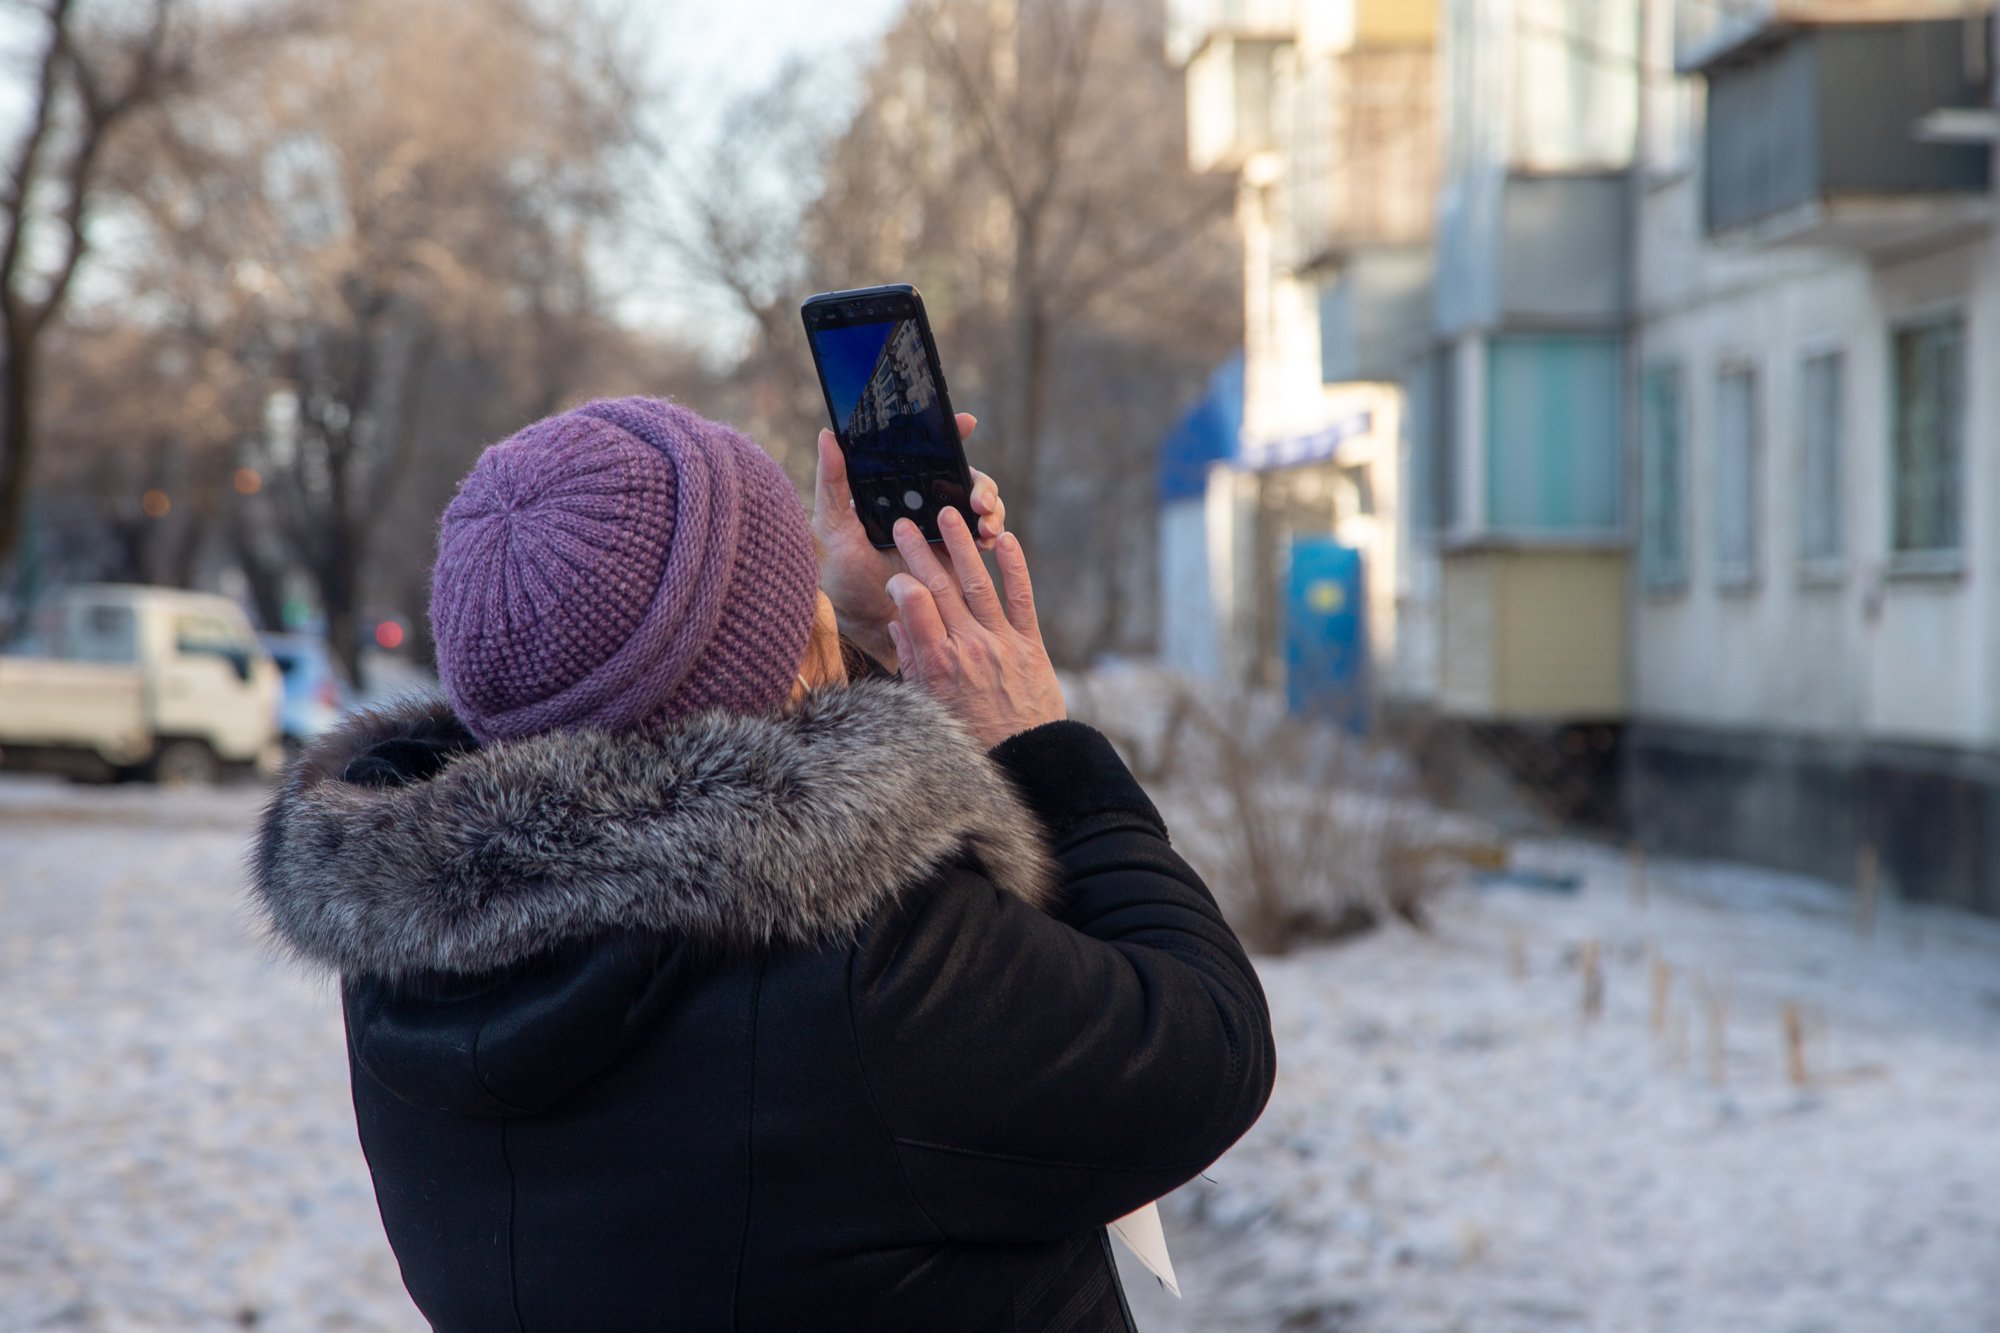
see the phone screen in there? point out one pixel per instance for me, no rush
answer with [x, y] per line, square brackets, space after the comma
[903, 457]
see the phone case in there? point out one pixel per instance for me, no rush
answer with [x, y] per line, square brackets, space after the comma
[925, 518]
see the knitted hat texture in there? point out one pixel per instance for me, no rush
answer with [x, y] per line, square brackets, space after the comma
[620, 566]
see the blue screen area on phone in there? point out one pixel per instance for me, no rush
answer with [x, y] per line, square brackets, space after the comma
[885, 400]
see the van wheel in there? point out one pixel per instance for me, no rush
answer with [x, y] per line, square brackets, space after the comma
[186, 764]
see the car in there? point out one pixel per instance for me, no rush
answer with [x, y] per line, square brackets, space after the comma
[316, 694]
[129, 681]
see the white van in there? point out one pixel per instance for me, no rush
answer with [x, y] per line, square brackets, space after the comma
[138, 681]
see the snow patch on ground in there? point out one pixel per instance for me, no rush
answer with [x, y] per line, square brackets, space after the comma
[1451, 1146]
[177, 1150]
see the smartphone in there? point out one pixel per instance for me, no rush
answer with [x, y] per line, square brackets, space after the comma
[878, 367]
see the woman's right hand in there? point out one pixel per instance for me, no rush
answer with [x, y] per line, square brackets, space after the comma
[979, 654]
[852, 573]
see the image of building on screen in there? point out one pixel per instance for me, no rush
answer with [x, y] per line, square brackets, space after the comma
[897, 412]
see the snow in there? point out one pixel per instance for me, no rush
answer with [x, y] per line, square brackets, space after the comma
[176, 1146]
[1451, 1146]
[1454, 1145]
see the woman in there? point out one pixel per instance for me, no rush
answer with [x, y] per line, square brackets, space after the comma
[688, 984]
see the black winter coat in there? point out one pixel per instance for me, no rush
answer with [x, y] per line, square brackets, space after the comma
[823, 1021]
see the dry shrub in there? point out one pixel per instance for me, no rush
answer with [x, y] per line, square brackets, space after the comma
[1306, 833]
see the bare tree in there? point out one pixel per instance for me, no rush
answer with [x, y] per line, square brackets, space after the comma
[145, 421]
[79, 97]
[411, 187]
[1023, 161]
[99, 72]
[729, 209]
[1075, 122]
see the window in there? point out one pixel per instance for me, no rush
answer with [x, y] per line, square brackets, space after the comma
[1554, 433]
[205, 635]
[211, 636]
[1822, 428]
[105, 632]
[1670, 140]
[1662, 467]
[1927, 361]
[1433, 462]
[1738, 444]
[1337, 351]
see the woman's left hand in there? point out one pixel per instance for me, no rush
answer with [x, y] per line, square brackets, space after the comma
[976, 647]
[853, 574]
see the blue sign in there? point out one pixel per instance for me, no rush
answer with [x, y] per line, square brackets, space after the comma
[1317, 447]
[1325, 633]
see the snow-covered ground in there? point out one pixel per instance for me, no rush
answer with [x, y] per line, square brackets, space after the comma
[176, 1146]
[1451, 1146]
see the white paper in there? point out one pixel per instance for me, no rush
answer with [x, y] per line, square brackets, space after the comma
[1142, 1234]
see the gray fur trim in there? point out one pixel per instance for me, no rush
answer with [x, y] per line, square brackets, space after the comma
[750, 832]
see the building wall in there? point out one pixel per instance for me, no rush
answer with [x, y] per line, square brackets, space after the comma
[1190, 634]
[1706, 25]
[1863, 650]
[1354, 495]
[1814, 708]
[1239, 597]
[1356, 129]
[1530, 87]
[899, 386]
[1534, 635]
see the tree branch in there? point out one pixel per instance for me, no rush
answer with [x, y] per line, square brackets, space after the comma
[968, 87]
[27, 155]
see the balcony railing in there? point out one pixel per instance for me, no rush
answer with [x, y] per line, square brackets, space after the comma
[1706, 29]
[1548, 250]
[1812, 134]
[1192, 24]
[1229, 101]
[1359, 136]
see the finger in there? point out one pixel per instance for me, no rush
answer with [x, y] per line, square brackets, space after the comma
[985, 492]
[830, 493]
[974, 583]
[922, 562]
[1020, 589]
[967, 423]
[992, 510]
[925, 638]
[900, 642]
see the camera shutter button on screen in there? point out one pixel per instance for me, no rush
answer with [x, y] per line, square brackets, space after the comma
[913, 500]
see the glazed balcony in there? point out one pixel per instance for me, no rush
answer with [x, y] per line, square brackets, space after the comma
[1815, 133]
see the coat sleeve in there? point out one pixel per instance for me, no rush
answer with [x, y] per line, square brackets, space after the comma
[1043, 1073]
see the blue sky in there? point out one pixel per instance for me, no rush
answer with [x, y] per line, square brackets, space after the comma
[848, 355]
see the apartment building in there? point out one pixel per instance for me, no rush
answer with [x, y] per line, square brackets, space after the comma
[1325, 114]
[1520, 406]
[1694, 467]
[1815, 608]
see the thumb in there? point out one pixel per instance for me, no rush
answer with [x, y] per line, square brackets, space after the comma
[830, 483]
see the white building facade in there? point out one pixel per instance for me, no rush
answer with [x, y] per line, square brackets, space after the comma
[1520, 409]
[1324, 110]
[1816, 593]
[1694, 473]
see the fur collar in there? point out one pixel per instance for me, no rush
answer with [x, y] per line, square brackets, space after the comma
[747, 832]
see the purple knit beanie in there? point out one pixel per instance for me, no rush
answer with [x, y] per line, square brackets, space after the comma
[621, 565]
